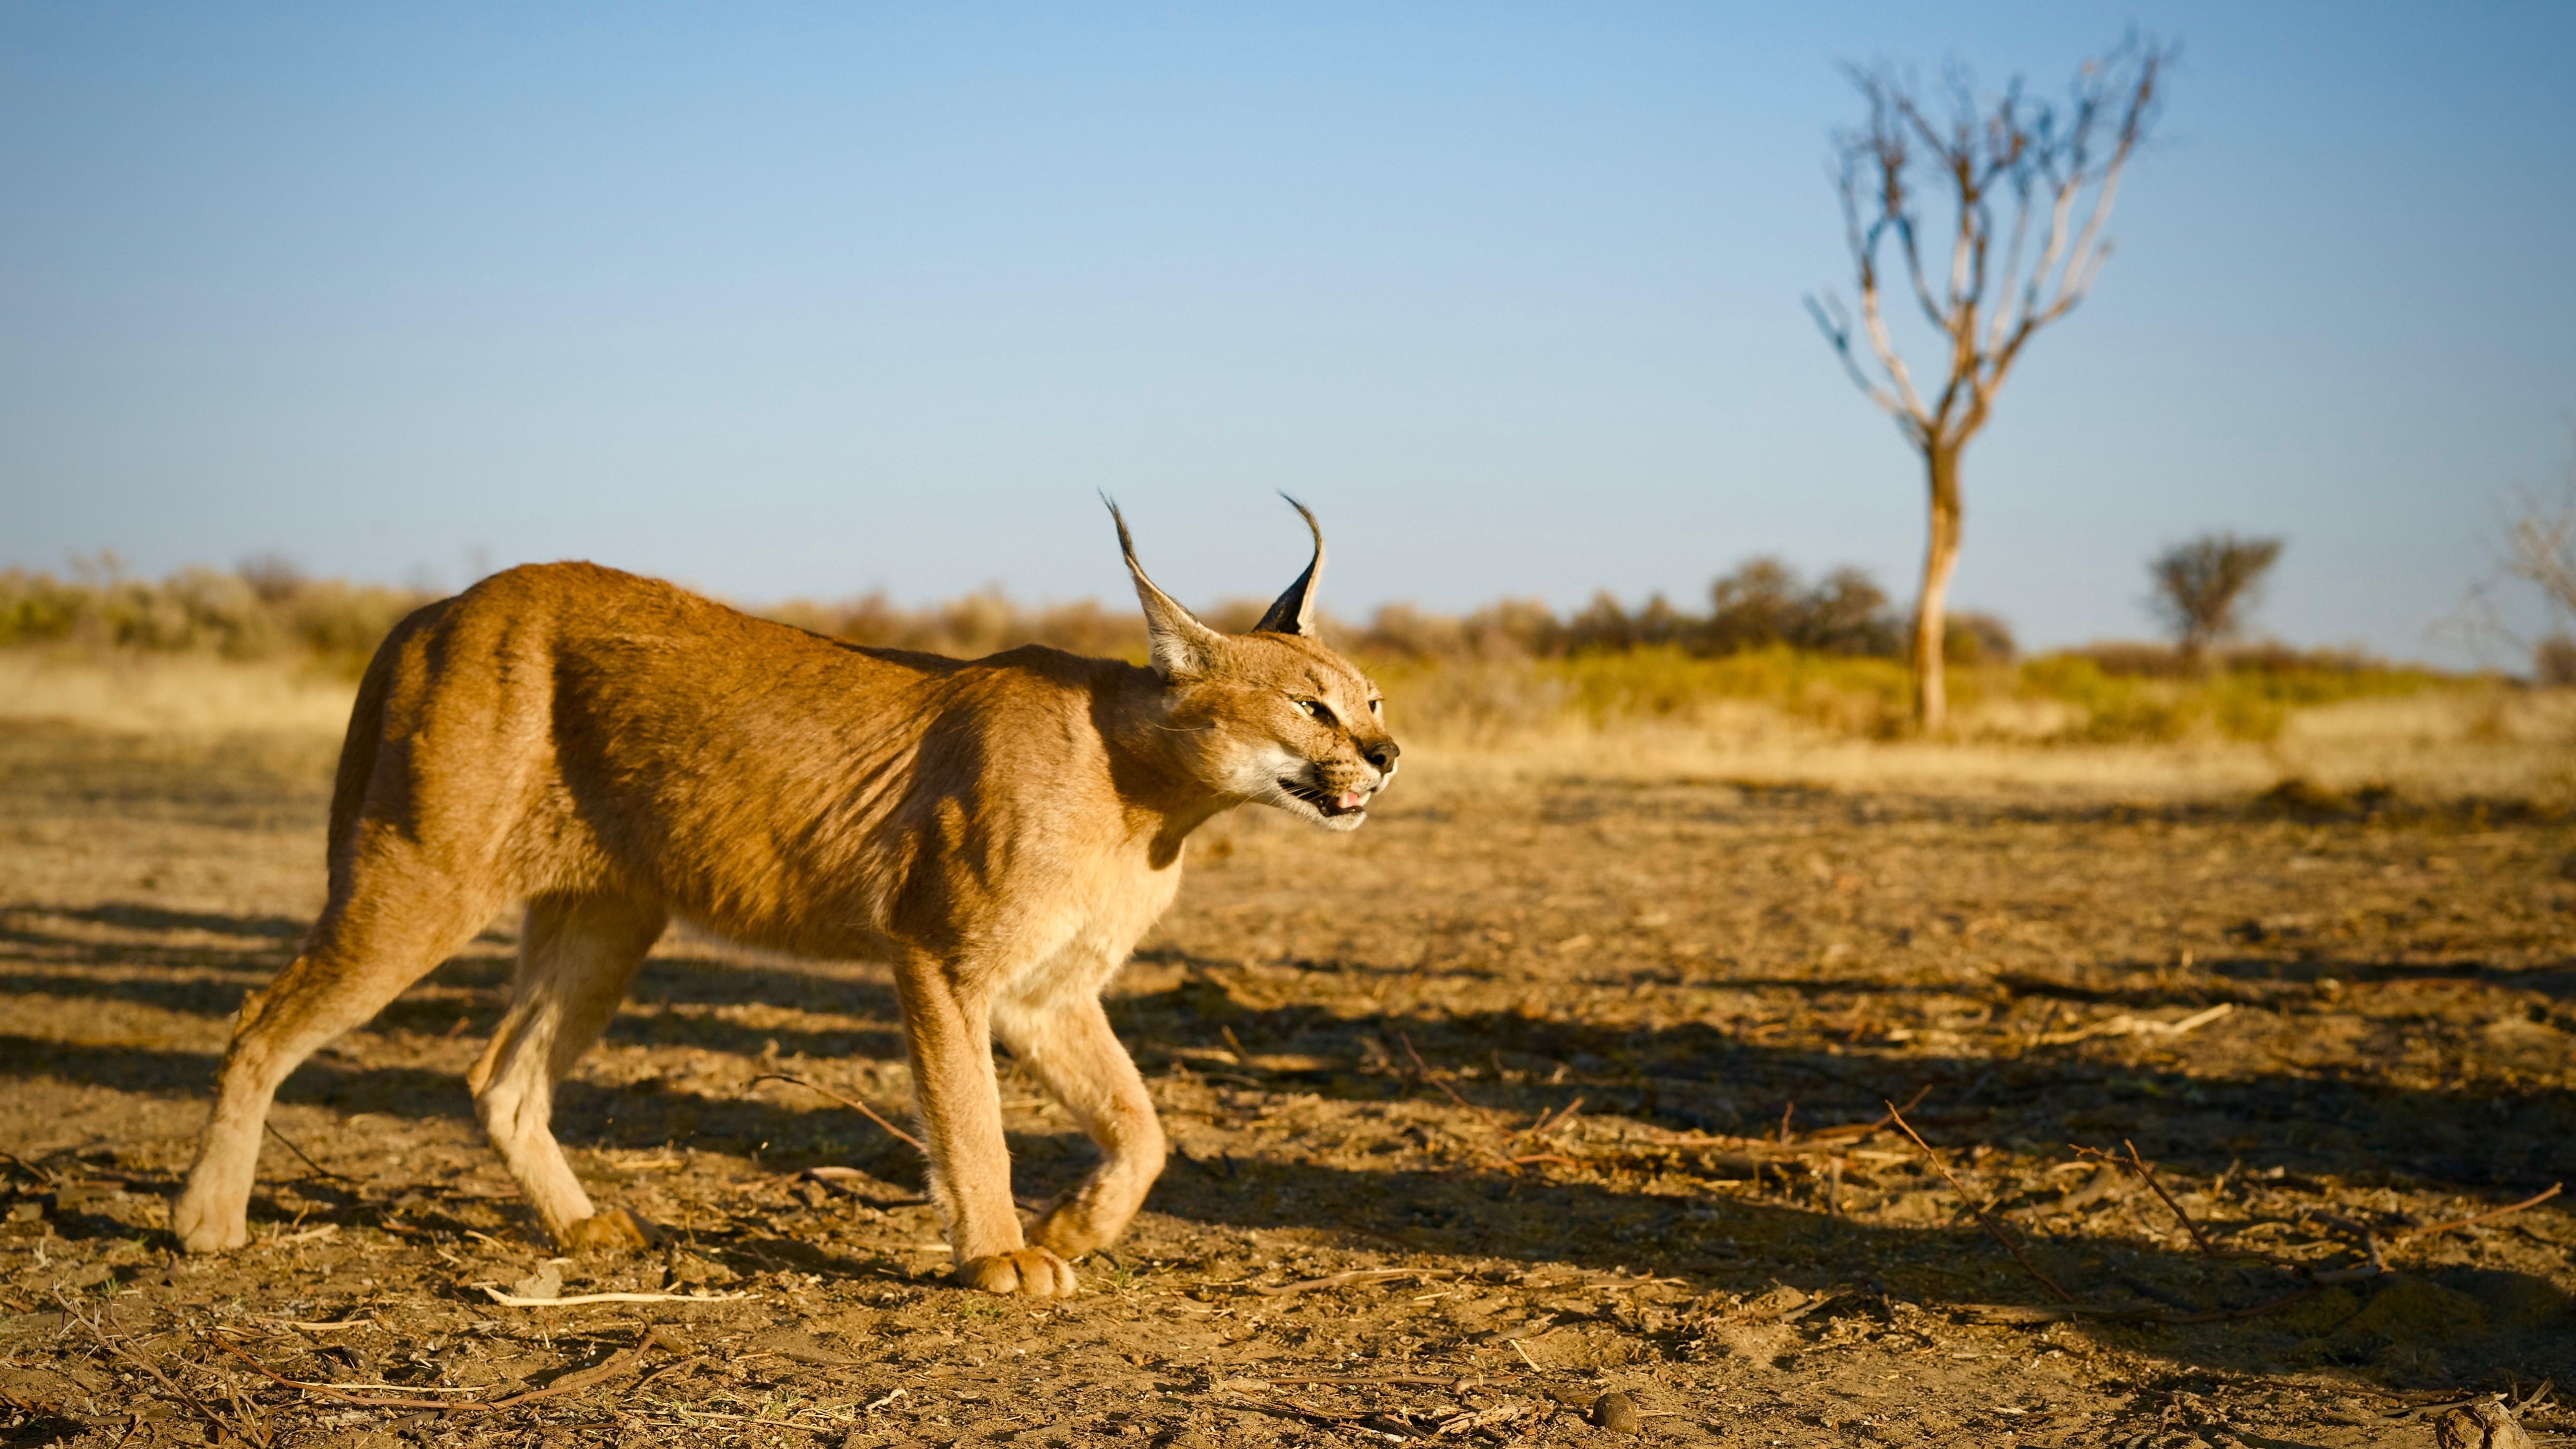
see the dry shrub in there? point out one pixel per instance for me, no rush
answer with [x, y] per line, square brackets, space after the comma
[263, 611]
[1820, 657]
[2146, 693]
[2553, 662]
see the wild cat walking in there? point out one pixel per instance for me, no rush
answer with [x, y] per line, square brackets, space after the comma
[614, 751]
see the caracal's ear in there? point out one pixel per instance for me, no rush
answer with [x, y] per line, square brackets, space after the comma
[1181, 645]
[1295, 611]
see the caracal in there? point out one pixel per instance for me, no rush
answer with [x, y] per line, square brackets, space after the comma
[614, 751]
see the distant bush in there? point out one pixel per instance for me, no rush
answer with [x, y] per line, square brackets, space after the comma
[258, 612]
[1825, 652]
[2164, 661]
[1762, 606]
[2149, 692]
[2553, 662]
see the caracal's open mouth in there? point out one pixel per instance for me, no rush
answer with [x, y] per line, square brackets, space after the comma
[1327, 803]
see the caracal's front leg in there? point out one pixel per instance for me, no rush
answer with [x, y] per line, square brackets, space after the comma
[948, 1035]
[1066, 1043]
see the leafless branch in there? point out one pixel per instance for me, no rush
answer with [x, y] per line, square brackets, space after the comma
[855, 1105]
[1984, 1211]
[2147, 1174]
[2061, 159]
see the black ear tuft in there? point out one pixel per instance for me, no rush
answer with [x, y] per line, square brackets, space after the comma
[1181, 644]
[1294, 613]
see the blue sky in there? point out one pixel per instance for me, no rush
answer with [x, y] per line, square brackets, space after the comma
[791, 300]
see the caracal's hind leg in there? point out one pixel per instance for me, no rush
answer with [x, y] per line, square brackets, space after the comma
[394, 926]
[577, 955]
[1065, 1042]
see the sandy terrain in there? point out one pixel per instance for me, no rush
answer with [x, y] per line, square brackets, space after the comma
[1566, 1081]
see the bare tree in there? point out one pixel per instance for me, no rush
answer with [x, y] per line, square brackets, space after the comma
[2540, 550]
[2204, 587]
[2037, 176]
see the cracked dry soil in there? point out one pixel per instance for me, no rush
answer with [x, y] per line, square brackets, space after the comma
[1569, 1087]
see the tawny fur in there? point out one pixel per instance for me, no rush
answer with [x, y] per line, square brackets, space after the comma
[614, 751]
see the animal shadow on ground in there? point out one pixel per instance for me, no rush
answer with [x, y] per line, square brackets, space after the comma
[1680, 1076]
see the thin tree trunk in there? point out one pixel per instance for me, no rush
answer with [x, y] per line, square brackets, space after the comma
[1931, 616]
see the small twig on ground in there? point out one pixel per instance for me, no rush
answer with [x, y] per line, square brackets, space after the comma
[2453, 1225]
[1424, 1068]
[1985, 1218]
[244, 1429]
[40, 1175]
[1550, 1121]
[2126, 1025]
[307, 1156]
[1339, 1280]
[2147, 1175]
[862, 1108]
[507, 1300]
[682, 1365]
[1289, 1409]
[622, 1362]
[1436, 1380]
[838, 1179]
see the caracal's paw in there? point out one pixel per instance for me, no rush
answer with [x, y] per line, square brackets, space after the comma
[614, 1231]
[1031, 1272]
[1071, 1230]
[201, 1228]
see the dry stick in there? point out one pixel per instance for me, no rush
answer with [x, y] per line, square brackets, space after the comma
[1911, 1103]
[1549, 1121]
[307, 1156]
[2318, 1280]
[2138, 1165]
[1354, 1379]
[212, 1413]
[1290, 1409]
[668, 1369]
[247, 1412]
[1339, 1280]
[2454, 1224]
[862, 1108]
[509, 1300]
[1984, 1219]
[624, 1362]
[1424, 1069]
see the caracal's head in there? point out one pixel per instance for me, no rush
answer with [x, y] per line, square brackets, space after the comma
[1271, 717]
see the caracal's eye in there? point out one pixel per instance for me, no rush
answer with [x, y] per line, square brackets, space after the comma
[1314, 709]
[1377, 706]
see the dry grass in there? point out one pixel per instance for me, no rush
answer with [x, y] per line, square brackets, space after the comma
[1774, 659]
[131, 693]
[1560, 1089]
[1804, 719]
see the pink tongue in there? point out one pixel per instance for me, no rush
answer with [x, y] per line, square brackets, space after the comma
[1351, 799]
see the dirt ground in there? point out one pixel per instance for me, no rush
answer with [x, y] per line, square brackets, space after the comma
[1564, 1086]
